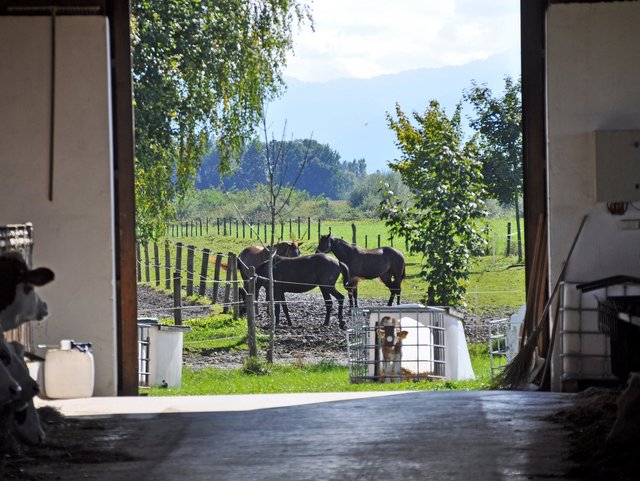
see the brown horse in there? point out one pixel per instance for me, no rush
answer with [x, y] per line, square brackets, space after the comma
[253, 256]
[386, 263]
[301, 274]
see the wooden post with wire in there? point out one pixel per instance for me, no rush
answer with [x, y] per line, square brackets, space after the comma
[156, 260]
[190, 255]
[227, 287]
[147, 275]
[203, 271]
[216, 278]
[177, 299]
[235, 287]
[167, 265]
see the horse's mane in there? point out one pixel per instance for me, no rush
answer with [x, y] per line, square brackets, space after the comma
[356, 248]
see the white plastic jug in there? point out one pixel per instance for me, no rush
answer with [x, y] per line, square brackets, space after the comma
[69, 371]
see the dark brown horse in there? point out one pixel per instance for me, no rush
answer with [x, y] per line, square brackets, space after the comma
[301, 274]
[253, 256]
[386, 263]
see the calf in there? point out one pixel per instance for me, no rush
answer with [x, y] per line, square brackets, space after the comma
[390, 335]
[19, 302]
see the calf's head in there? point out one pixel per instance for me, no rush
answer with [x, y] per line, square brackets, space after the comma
[390, 334]
[19, 302]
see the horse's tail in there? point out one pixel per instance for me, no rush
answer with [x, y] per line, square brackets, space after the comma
[346, 276]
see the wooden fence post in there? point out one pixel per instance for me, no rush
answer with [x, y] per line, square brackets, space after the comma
[139, 258]
[156, 259]
[177, 299]
[265, 233]
[244, 225]
[281, 230]
[218, 224]
[237, 231]
[179, 256]
[366, 241]
[290, 228]
[190, 255]
[508, 239]
[203, 271]
[207, 229]
[308, 228]
[227, 287]
[319, 235]
[147, 275]
[167, 266]
[235, 288]
[378, 241]
[298, 227]
[353, 234]
[216, 278]
[224, 223]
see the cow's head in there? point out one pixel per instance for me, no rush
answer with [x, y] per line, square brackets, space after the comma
[19, 302]
[390, 332]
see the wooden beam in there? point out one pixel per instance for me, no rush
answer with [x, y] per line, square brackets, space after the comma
[118, 12]
[533, 15]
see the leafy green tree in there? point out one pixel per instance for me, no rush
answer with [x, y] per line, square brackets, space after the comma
[369, 191]
[201, 68]
[324, 172]
[499, 124]
[437, 219]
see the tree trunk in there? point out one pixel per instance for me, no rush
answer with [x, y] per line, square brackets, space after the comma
[517, 206]
[272, 315]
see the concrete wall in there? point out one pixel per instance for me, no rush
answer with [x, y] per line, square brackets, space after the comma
[74, 233]
[593, 83]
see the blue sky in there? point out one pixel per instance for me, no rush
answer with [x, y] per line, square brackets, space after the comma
[367, 38]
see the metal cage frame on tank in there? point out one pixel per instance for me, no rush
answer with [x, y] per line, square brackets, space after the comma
[19, 237]
[423, 349]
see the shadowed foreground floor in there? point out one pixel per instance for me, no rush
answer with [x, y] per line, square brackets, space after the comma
[489, 435]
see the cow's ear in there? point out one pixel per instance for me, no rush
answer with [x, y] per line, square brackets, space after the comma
[39, 276]
[381, 333]
[300, 243]
[403, 334]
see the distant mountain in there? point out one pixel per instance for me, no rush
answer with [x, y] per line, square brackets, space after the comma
[350, 114]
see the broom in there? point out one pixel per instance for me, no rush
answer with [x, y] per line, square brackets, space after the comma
[516, 373]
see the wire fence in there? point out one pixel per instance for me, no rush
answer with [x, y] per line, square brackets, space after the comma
[505, 243]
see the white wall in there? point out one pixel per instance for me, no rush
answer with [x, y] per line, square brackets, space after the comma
[593, 83]
[73, 234]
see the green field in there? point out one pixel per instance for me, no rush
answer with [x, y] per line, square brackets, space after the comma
[496, 283]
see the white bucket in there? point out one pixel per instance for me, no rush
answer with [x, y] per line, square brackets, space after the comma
[68, 372]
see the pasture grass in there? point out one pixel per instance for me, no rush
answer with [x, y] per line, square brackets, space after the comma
[496, 282]
[321, 377]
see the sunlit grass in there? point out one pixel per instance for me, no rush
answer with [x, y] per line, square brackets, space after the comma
[322, 377]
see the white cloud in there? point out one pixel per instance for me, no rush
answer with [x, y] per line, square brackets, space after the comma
[367, 38]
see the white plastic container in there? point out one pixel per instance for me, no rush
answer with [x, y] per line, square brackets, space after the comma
[165, 355]
[68, 372]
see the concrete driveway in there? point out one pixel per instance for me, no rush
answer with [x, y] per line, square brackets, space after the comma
[490, 435]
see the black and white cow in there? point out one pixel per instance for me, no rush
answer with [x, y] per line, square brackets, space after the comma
[20, 415]
[19, 301]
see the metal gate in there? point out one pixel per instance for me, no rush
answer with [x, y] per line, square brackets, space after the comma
[423, 349]
[19, 237]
